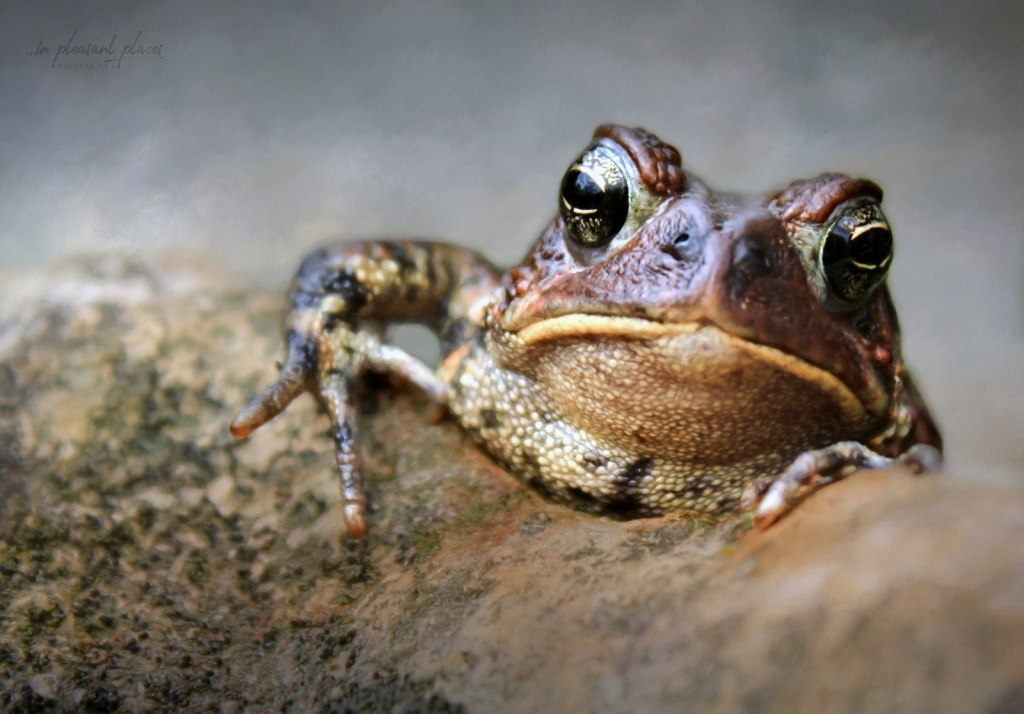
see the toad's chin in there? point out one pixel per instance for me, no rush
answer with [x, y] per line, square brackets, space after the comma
[693, 372]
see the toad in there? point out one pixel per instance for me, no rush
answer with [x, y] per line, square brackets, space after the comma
[663, 347]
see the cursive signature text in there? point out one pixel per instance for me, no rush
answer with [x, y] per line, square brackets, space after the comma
[110, 54]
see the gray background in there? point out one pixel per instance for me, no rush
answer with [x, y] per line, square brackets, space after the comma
[268, 128]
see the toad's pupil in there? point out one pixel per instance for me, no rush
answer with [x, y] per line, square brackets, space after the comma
[855, 263]
[594, 207]
[582, 192]
[871, 247]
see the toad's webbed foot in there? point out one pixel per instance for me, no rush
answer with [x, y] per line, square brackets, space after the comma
[770, 497]
[342, 297]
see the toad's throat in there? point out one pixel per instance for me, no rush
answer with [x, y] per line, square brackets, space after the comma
[582, 325]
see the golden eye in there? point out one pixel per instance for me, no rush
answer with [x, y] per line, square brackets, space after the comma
[856, 254]
[594, 200]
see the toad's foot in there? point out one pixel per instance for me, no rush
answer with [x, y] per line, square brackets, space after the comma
[769, 498]
[327, 361]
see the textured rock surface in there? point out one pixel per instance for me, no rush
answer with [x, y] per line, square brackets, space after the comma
[148, 562]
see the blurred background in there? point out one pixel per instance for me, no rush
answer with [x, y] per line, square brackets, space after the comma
[265, 128]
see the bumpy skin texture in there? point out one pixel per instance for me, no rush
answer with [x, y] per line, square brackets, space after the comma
[696, 359]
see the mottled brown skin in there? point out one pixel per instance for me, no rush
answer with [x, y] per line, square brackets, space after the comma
[696, 358]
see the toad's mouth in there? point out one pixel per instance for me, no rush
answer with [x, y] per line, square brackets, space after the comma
[703, 332]
[606, 325]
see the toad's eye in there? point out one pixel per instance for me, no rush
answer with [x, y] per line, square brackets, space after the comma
[594, 199]
[856, 254]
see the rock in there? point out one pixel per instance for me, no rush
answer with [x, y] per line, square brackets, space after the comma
[150, 563]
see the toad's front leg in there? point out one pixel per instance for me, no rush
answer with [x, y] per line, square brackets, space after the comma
[912, 441]
[771, 497]
[341, 298]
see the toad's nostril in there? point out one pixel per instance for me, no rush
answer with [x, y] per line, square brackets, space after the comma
[750, 258]
[683, 247]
